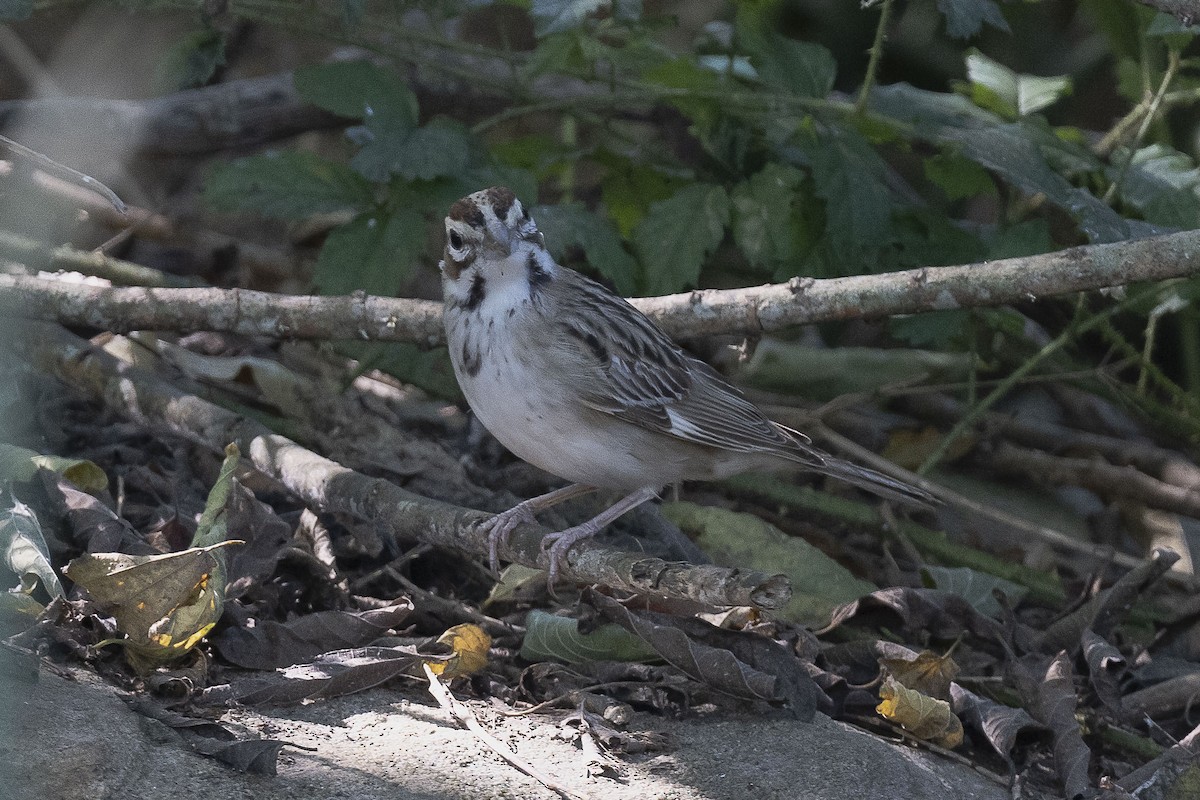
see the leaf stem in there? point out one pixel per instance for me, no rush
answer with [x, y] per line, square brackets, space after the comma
[876, 51]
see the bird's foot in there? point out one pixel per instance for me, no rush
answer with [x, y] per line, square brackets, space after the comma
[557, 545]
[501, 526]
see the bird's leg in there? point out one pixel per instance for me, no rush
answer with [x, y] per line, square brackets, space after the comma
[500, 526]
[559, 543]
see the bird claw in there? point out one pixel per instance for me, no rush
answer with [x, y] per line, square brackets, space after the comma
[558, 544]
[500, 527]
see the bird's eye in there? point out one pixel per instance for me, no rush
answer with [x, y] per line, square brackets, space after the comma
[456, 240]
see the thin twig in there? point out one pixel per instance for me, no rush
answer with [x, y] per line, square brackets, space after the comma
[463, 716]
[49, 164]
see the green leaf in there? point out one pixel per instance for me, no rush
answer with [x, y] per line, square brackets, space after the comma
[555, 16]
[678, 233]
[16, 9]
[572, 225]
[628, 190]
[927, 238]
[1000, 89]
[849, 176]
[24, 550]
[350, 88]
[804, 69]
[19, 464]
[1162, 183]
[428, 370]
[735, 539]
[192, 61]
[1174, 33]
[958, 177]
[288, 185]
[439, 149]
[965, 18]
[372, 253]
[1029, 238]
[766, 226]
[933, 329]
[1015, 151]
[975, 587]
[686, 73]
[213, 526]
[550, 636]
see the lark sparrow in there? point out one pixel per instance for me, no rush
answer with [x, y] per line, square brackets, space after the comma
[575, 380]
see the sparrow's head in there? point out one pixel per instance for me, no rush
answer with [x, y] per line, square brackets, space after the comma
[485, 231]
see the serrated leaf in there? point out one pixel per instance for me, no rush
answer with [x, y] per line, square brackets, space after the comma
[848, 174]
[977, 588]
[965, 18]
[765, 225]
[349, 88]
[550, 636]
[372, 253]
[1018, 94]
[287, 185]
[436, 150]
[555, 16]
[439, 149]
[571, 224]
[677, 234]
[805, 69]
[24, 549]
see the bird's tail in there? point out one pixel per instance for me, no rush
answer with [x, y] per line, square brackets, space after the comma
[877, 482]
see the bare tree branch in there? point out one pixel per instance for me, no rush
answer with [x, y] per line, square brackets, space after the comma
[326, 485]
[232, 114]
[751, 311]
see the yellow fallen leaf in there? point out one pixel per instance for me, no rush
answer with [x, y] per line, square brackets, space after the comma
[470, 645]
[924, 717]
[928, 673]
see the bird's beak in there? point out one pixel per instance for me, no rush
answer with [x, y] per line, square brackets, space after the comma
[536, 237]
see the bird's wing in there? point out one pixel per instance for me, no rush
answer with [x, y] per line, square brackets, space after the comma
[620, 363]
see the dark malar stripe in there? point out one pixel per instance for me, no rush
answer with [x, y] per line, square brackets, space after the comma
[538, 277]
[475, 296]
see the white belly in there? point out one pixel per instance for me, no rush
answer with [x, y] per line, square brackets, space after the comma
[540, 422]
